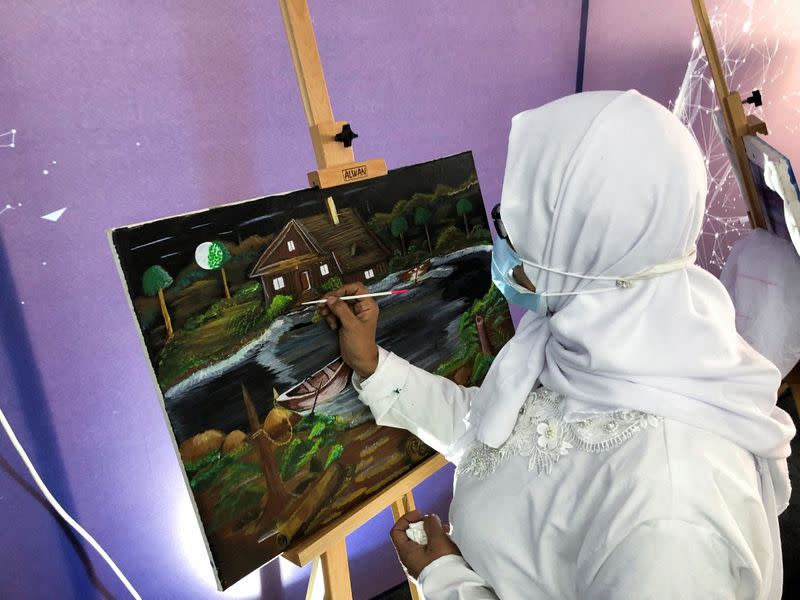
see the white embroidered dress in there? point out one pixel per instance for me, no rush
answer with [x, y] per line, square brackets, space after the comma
[624, 505]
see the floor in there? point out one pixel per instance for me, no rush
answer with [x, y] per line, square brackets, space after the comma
[789, 522]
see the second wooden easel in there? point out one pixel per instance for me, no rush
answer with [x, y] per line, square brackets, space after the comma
[336, 165]
[732, 106]
[739, 125]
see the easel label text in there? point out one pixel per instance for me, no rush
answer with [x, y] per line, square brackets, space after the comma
[353, 173]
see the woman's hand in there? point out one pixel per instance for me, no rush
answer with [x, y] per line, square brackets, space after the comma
[413, 556]
[357, 323]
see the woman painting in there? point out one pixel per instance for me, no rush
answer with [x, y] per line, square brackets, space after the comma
[625, 443]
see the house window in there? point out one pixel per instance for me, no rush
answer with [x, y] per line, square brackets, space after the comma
[324, 270]
[369, 274]
[290, 245]
[277, 283]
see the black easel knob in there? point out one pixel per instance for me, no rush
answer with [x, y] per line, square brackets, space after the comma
[755, 98]
[346, 135]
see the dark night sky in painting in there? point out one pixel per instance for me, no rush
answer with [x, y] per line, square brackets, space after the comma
[171, 242]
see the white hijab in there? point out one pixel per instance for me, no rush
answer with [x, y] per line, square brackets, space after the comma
[611, 183]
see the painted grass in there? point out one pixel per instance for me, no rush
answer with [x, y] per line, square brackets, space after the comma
[492, 306]
[214, 335]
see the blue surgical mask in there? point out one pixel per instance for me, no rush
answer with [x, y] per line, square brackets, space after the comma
[504, 259]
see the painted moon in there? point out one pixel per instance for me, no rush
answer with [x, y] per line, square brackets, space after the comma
[202, 254]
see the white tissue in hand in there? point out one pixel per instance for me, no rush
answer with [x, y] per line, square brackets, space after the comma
[416, 533]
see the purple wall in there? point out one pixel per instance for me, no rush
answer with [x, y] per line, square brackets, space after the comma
[148, 109]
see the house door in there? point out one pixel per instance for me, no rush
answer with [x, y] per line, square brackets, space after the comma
[305, 281]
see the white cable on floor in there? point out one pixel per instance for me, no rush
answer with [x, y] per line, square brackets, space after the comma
[60, 510]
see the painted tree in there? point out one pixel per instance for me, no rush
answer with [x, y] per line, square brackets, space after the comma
[422, 216]
[463, 208]
[154, 281]
[399, 226]
[277, 495]
[212, 256]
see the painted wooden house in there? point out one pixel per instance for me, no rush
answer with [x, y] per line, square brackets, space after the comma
[309, 251]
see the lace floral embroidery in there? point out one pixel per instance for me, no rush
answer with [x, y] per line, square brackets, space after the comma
[542, 434]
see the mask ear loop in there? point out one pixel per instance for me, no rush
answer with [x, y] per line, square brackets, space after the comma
[624, 282]
[675, 264]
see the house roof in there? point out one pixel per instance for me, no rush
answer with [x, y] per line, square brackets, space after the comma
[354, 244]
[352, 233]
[264, 265]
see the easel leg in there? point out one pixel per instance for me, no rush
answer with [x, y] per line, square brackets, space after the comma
[336, 572]
[401, 506]
[316, 570]
[795, 390]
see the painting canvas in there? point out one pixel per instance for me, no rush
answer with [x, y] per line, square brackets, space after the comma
[273, 440]
[774, 180]
[777, 188]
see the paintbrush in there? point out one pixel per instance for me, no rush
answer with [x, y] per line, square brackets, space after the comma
[357, 296]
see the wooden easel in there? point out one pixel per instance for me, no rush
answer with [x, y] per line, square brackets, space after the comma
[332, 140]
[739, 125]
[736, 122]
[336, 165]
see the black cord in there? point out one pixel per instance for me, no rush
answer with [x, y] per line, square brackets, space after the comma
[582, 46]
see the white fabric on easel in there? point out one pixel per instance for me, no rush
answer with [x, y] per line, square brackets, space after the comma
[762, 276]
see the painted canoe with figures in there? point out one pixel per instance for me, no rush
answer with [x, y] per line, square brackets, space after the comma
[318, 388]
[415, 272]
